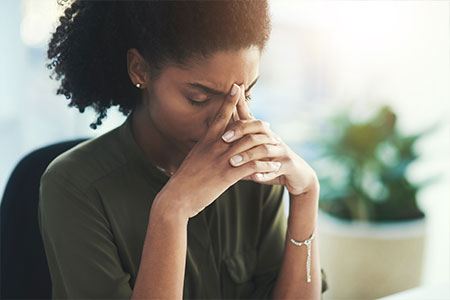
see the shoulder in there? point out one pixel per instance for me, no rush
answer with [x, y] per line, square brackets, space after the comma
[88, 161]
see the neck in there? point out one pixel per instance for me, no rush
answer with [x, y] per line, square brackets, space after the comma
[161, 151]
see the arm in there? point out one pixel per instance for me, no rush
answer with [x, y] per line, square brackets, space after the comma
[291, 281]
[162, 268]
[83, 258]
[81, 252]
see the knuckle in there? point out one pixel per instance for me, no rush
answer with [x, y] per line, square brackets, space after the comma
[239, 126]
[266, 149]
[216, 150]
[253, 164]
[251, 139]
[247, 156]
[260, 123]
[230, 100]
[275, 139]
[220, 116]
[289, 160]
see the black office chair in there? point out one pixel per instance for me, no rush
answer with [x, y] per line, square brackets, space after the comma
[24, 270]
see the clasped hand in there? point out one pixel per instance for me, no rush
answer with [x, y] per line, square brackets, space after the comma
[213, 164]
[255, 143]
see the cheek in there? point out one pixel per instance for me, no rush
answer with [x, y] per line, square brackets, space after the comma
[177, 118]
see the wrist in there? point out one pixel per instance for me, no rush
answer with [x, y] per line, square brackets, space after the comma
[303, 212]
[310, 185]
[165, 207]
[304, 202]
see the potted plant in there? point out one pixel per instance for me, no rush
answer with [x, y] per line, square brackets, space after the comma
[372, 231]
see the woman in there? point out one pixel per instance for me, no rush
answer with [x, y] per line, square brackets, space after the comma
[161, 206]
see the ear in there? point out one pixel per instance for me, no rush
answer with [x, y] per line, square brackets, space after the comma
[137, 67]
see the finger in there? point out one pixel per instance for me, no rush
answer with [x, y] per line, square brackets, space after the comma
[256, 153]
[242, 107]
[224, 114]
[265, 176]
[241, 128]
[257, 166]
[235, 118]
[235, 115]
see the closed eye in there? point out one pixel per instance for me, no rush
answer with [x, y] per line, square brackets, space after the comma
[248, 98]
[198, 103]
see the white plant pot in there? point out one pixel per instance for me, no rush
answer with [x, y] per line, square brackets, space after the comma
[364, 260]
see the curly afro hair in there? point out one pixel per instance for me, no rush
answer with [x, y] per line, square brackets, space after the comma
[89, 46]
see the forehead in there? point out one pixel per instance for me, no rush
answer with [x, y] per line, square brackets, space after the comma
[221, 70]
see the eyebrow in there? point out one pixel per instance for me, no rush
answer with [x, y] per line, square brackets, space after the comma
[214, 91]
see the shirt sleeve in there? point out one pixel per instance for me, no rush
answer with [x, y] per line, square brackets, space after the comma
[82, 257]
[272, 243]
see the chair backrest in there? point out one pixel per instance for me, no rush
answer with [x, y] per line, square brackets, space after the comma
[24, 268]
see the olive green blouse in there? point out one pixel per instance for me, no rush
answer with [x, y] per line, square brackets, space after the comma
[95, 201]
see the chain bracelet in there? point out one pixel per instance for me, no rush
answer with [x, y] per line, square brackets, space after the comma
[308, 245]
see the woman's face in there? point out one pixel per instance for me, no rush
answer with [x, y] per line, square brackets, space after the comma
[169, 101]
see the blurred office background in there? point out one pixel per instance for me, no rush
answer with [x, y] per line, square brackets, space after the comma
[322, 56]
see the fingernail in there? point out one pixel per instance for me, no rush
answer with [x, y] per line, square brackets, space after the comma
[234, 89]
[277, 164]
[259, 175]
[277, 139]
[228, 135]
[236, 159]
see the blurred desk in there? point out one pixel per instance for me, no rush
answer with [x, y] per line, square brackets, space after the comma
[435, 292]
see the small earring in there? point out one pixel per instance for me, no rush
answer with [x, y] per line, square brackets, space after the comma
[138, 85]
